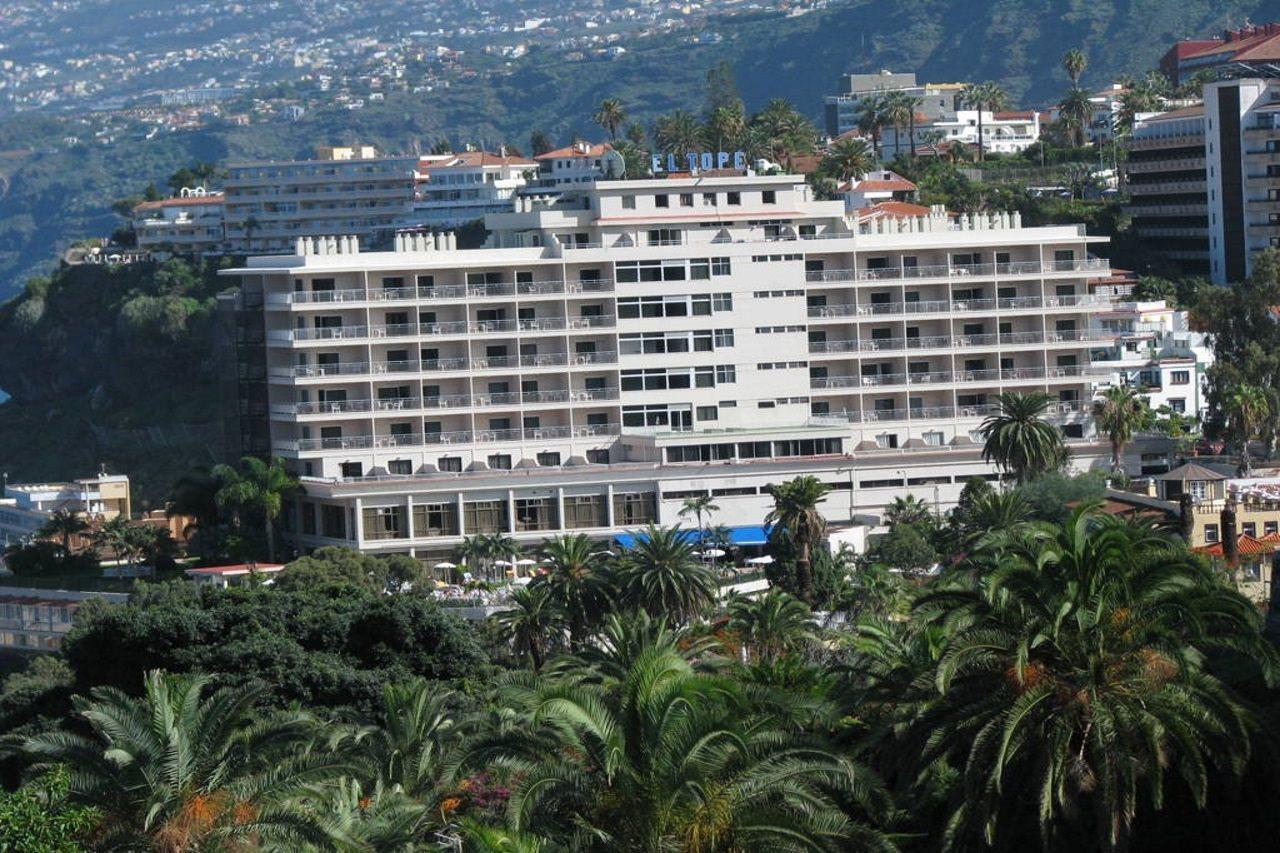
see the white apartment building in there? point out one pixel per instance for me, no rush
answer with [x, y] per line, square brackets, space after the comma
[1002, 133]
[573, 165]
[344, 190]
[841, 112]
[614, 351]
[454, 189]
[189, 224]
[1157, 353]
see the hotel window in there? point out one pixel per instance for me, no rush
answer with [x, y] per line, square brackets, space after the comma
[686, 199]
[435, 520]
[709, 199]
[500, 461]
[536, 514]
[1249, 528]
[584, 511]
[722, 302]
[1269, 528]
[664, 237]
[723, 338]
[1178, 405]
[628, 202]
[450, 464]
[384, 522]
[485, 517]
[400, 467]
[1180, 377]
[707, 413]
[333, 521]
[634, 509]
[733, 198]
[549, 459]
[308, 511]
[720, 266]
[597, 456]
[661, 201]
[726, 373]
[769, 197]
[352, 470]
[1210, 533]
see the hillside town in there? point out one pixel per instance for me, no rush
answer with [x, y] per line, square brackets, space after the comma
[903, 480]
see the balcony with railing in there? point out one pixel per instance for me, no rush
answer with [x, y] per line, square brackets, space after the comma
[884, 381]
[1056, 411]
[951, 271]
[1008, 339]
[441, 365]
[1017, 303]
[439, 292]
[427, 439]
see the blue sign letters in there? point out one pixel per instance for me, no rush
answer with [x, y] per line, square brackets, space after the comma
[700, 161]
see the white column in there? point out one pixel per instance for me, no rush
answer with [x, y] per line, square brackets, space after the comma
[511, 511]
[560, 508]
[408, 516]
[358, 526]
[608, 504]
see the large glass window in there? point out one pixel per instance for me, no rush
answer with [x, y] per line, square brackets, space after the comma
[485, 517]
[584, 511]
[634, 509]
[384, 522]
[536, 514]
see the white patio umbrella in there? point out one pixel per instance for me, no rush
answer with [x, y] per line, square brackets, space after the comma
[506, 564]
[446, 565]
[526, 562]
[713, 552]
[761, 561]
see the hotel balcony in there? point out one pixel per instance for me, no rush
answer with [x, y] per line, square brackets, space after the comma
[460, 328]
[400, 405]
[951, 271]
[888, 309]
[1173, 164]
[894, 381]
[445, 365]
[958, 342]
[451, 292]
[455, 437]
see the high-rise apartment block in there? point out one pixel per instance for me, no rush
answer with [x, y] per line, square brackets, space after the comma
[345, 190]
[841, 111]
[1205, 180]
[619, 348]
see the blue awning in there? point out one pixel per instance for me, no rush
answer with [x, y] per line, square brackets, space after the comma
[750, 534]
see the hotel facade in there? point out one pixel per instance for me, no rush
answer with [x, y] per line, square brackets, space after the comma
[616, 350]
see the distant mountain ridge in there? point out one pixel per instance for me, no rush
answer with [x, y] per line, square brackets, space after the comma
[55, 197]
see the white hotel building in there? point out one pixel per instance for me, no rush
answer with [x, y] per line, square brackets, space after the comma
[609, 354]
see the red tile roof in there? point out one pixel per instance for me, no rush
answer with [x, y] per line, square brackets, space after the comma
[482, 158]
[581, 150]
[1246, 545]
[895, 209]
[1245, 44]
[885, 182]
[180, 202]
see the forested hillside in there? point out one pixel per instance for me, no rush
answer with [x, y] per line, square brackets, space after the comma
[52, 194]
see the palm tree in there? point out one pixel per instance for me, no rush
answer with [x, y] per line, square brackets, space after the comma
[795, 515]
[992, 512]
[116, 535]
[62, 525]
[677, 133]
[784, 130]
[354, 818]
[873, 115]
[1018, 439]
[1118, 412]
[699, 506]
[1247, 409]
[415, 746]
[181, 769]
[610, 115]
[849, 159]
[500, 546]
[772, 625]
[725, 127]
[660, 575]
[259, 489]
[1074, 63]
[1076, 112]
[195, 494]
[900, 109]
[663, 757]
[907, 510]
[532, 623]
[577, 581]
[473, 552]
[984, 97]
[1072, 671]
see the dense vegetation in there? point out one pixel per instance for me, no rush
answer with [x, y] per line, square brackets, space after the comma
[1064, 682]
[115, 366]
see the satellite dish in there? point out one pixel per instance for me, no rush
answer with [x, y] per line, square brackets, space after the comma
[614, 165]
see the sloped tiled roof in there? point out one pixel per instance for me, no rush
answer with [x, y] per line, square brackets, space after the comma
[1191, 471]
[1246, 546]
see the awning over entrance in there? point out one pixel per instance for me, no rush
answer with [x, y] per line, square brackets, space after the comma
[750, 534]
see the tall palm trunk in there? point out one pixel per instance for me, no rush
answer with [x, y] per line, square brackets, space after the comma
[804, 572]
[271, 537]
[981, 137]
[911, 128]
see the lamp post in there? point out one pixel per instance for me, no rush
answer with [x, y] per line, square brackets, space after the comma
[848, 471]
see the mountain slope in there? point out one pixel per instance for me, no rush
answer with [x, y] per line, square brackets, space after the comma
[49, 199]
